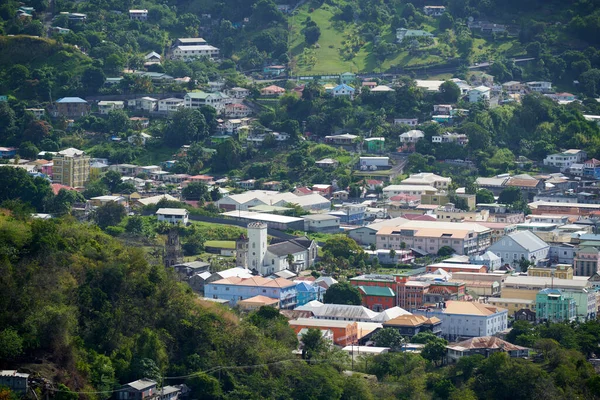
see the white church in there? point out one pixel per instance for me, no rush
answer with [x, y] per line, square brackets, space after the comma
[254, 252]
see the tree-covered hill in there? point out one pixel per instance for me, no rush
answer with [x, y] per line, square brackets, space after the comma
[78, 303]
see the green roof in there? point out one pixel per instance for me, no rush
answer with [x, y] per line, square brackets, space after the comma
[589, 243]
[377, 291]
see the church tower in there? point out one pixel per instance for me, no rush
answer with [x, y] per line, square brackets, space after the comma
[257, 245]
[172, 254]
[241, 251]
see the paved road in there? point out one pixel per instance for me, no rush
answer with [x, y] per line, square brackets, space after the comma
[430, 71]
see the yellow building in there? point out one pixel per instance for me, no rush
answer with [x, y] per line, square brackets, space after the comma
[512, 305]
[71, 168]
[562, 271]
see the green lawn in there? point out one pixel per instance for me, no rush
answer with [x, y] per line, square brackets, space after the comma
[328, 58]
[154, 155]
[220, 244]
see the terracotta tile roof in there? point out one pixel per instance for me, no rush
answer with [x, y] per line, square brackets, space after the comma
[412, 320]
[471, 308]
[259, 300]
[522, 182]
[56, 187]
[486, 342]
[255, 281]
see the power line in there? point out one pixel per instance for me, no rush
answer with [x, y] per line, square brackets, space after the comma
[214, 369]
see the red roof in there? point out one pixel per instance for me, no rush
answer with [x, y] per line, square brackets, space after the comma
[304, 189]
[404, 197]
[56, 187]
[418, 217]
[374, 182]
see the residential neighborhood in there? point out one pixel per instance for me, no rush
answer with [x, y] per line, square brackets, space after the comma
[264, 199]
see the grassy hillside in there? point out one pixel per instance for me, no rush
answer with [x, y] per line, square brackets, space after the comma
[35, 52]
[327, 58]
[342, 46]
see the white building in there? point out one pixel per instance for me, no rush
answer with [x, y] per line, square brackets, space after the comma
[238, 93]
[322, 223]
[376, 162]
[171, 104]
[479, 93]
[470, 319]
[566, 159]
[38, 112]
[104, 107]
[434, 11]
[268, 259]
[173, 215]
[428, 179]
[414, 190]
[198, 99]
[520, 245]
[187, 53]
[138, 15]
[540, 87]
[406, 121]
[412, 136]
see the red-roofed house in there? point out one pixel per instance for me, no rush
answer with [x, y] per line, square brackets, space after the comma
[272, 91]
[56, 187]
[303, 191]
[372, 184]
[237, 110]
[209, 180]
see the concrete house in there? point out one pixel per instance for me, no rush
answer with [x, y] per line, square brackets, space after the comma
[15, 381]
[173, 215]
[104, 107]
[434, 11]
[484, 346]
[71, 107]
[188, 53]
[343, 90]
[520, 245]
[138, 15]
[469, 319]
[235, 289]
[403, 33]
[479, 93]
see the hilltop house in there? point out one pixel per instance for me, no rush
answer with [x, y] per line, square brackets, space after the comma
[403, 33]
[70, 107]
[343, 90]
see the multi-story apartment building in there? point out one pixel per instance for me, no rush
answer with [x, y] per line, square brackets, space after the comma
[187, 53]
[428, 179]
[430, 236]
[70, 107]
[236, 289]
[198, 99]
[587, 261]
[564, 160]
[469, 319]
[552, 305]
[71, 168]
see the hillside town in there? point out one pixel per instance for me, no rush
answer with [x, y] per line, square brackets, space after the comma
[325, 200]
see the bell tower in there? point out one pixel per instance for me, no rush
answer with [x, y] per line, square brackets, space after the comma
[172, 254]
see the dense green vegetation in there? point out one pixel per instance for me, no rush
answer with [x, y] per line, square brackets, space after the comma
[99, 314]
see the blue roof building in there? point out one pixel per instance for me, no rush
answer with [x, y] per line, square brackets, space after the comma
[307, 293]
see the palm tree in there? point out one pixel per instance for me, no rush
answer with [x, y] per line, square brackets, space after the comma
[290, 260]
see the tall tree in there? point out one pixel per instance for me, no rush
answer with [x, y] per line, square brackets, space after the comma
[185, 126]
[109, 214]
[342, 293]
